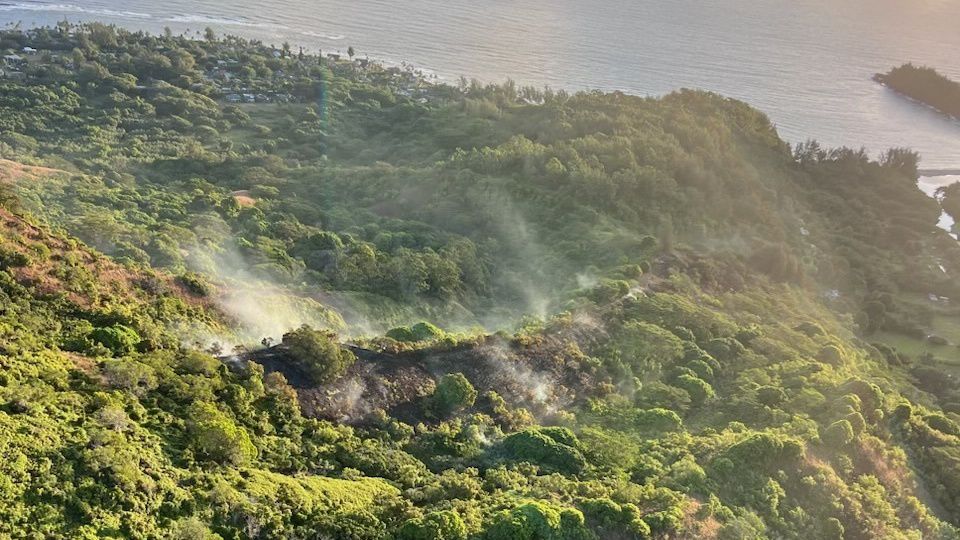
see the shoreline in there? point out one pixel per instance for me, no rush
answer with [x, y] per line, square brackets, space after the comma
[938, 172]
[876, 78]
[923, 136]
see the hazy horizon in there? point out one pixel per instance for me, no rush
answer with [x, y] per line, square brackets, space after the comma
[807, 65]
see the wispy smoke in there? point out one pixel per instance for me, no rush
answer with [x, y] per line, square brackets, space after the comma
[258, 308]
[534, 387]
[350, 401]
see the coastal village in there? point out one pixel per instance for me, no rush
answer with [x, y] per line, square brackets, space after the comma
[228, 78]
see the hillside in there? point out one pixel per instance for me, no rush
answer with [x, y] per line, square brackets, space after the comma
[364, 305]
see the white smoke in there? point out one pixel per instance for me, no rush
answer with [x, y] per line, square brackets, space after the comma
[258, 308]
[535, 386]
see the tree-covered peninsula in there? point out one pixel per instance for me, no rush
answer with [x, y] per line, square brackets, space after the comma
[925, 85]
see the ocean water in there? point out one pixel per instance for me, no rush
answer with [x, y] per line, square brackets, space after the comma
[929, 185]
[806, 63]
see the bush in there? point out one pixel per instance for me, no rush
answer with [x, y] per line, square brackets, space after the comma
[216, 437]
[443, 525]
[838, 434]
[453, 393]
[10, 258]
[422, 331]
[537, 520]
[317, 354]
[831, 354]
[810, 329]
[764, 451]
[648, 347]
[120, 339]
[942, 424]
[195, 284]
[700, 390]
[771, 396]
[725, 349]
[536, 447]
[191, 529]
[614, 520]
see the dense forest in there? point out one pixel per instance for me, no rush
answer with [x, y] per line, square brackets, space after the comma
[250, 292]
[925, 85]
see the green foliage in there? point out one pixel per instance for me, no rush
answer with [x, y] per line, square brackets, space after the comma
[699, 390]
[422, 331]
[442, 525]
[317, 354]
[831, 354]
[10, 258]
[120, 339]
[838, 434]
[216, 437]
[536, 520]
[690, 371]
[648, 347]
[452, 394]
[540, 448]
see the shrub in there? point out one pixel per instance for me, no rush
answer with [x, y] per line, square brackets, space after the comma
[838, 434]
[658, 419]
[700, 390]
[10, 258]
[539, 448]
[442, 525]
[700, 368]
[647, 346]
[195, 284]
[216, 437]
[130, 375]
[191, 528]
[422, 331]
[614, 520]
[453, 393]
[942, 424]
[725, 349]
[120, 339]
[317, 354]
[537, 520]
[771, 396]
[810, 329]
[831, 354]
[763, 450]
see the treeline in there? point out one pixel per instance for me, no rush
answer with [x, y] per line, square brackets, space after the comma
[925, 85]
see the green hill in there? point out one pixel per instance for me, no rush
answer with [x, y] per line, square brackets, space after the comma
[648, 318]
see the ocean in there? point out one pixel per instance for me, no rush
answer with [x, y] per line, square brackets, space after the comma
[806, 63]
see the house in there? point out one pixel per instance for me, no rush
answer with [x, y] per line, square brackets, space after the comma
[234, 98]
[333, 56]
[13, 60]
[29, 50]
[249, 98]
